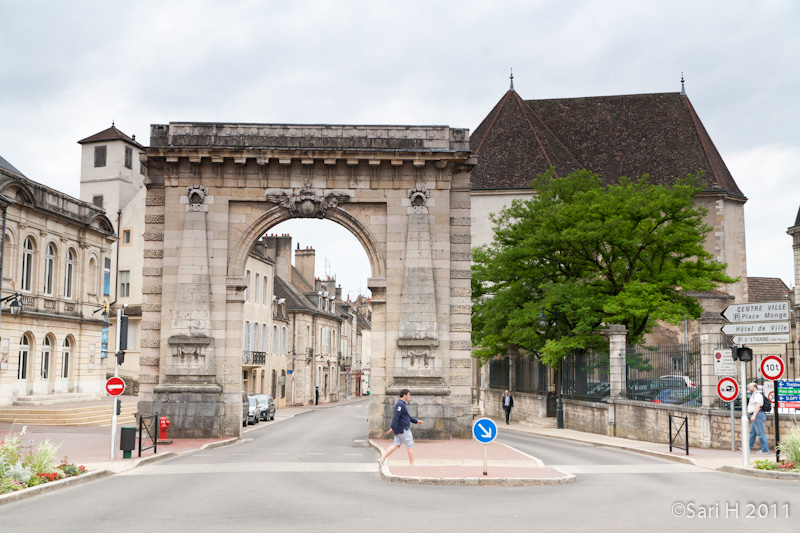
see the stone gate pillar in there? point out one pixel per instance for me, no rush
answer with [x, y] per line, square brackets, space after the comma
[617, 339]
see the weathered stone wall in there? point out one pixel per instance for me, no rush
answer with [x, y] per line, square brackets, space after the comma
[708, 428]
[526, 406]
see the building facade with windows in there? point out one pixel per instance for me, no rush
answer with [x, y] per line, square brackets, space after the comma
[112, 178]
[54, 256]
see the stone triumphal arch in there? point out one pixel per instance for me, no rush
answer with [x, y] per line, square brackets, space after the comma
[214, 189]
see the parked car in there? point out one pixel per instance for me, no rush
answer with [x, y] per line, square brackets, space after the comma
[686, 379]
[650, 390]
[680, 396]
[253, 410]
[245, 408]
[266, 406]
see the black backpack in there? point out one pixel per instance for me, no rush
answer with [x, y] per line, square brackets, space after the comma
[767, 405]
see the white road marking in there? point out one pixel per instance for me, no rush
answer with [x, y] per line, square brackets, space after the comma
[228, 468]
[630, 469]
[202, 455]
[240, 454]
[314, 453]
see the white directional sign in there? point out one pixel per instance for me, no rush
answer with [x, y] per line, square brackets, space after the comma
[756, 328]
[757, 312]
[762, 339]
[484, 430]
[724, 365]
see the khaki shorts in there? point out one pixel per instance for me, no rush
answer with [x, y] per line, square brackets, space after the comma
[404, 438]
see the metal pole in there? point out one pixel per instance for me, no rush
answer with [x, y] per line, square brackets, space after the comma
[114, 403]
[733, 429]
[560, 405]
[485, 459]
[745, 428]
[777, 424]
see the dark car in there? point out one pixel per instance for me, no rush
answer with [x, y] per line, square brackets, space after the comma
[266, 406]
[650, 390]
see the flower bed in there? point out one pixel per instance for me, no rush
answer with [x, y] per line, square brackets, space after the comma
[23, 466]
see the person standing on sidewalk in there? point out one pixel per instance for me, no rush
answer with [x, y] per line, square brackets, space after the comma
[757, 417]
[401, 427]
[508, 403]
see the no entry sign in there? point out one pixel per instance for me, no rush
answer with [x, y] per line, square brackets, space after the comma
[727, 389]
[115, 386]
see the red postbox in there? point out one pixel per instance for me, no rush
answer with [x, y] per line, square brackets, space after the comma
[163, 425]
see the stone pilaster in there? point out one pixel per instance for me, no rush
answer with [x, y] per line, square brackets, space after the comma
[617, 339]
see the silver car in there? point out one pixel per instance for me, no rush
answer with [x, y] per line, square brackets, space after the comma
[253, 410]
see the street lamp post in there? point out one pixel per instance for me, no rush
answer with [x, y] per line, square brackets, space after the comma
[543, 323]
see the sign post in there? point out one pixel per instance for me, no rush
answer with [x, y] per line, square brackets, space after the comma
[485, 431]
[745, 420]
[727, 390]
[772, 368]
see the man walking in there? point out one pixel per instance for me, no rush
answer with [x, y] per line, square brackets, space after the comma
[757, 417]
[401, 427]
[508, 403]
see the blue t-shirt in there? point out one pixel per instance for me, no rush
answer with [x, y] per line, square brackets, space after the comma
[401, 420]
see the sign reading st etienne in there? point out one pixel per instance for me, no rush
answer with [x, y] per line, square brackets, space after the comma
[484, 430]
[762, 339]
[758, 312]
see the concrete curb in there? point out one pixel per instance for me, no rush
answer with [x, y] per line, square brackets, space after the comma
[766, 474]
[53, 485]
[652, 453]
[386, 475]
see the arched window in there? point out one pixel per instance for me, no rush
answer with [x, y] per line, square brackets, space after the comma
[247, 336]
[264, 292]
[27, 264]
[65, 358]
[266, 338]
[92, 276]
[255, 288]
[46, 352]
[257, 335]
[69, 270]
[247, 286]
[49, 265]
[274, 339]
[24, 350]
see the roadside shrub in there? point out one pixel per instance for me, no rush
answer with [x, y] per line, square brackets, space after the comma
[43, 459]
[19, 473]
[790, 446]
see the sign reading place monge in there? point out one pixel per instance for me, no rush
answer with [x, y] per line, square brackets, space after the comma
[757, 312]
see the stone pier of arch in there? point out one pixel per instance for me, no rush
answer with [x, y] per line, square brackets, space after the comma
[214, 189]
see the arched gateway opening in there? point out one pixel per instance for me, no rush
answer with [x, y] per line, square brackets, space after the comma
[214, 189]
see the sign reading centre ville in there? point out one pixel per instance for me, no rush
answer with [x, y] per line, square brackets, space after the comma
[757, 312]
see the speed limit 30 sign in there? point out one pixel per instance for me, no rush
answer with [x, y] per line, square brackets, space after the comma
[772, 367]
[727, 389]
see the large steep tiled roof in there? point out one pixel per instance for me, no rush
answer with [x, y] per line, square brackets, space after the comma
[111, 134]
[767, 290]
[295, 301]
[9, 167]
[655, 134]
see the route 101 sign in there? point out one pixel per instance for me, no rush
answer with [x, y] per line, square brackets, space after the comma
[727, 389]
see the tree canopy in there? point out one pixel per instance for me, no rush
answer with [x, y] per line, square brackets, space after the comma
[590, 255]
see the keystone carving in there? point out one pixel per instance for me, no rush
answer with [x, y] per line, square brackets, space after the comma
[197, 194]
[306, 204]
[419, 197]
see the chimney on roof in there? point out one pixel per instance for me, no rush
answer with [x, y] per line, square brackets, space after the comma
[279, 248]
[339, 292]
[304, 262]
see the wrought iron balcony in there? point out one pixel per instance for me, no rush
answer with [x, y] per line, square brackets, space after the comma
[254, 358]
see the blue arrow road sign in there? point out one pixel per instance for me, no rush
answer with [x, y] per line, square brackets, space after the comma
[484, 430]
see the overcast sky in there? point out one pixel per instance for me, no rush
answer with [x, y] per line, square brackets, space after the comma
[67, 69]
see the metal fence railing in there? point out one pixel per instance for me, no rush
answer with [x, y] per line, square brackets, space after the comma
[586, 376]
[530, 375]
[498, 373]
[664, 373]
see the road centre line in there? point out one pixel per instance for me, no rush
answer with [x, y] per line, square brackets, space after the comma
[631, 469]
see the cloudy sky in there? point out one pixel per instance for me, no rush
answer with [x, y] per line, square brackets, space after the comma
[67, 69]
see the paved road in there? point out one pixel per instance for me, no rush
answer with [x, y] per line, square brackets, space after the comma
[315, 472]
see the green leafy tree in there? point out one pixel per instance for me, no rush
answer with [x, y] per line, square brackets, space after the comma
[590, 254]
